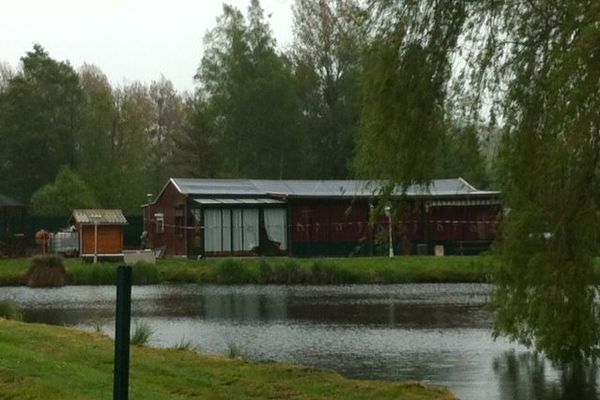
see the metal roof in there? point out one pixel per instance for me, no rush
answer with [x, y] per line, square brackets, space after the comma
[100, 216]
[240, 201]
[8, 202]
[316, 188]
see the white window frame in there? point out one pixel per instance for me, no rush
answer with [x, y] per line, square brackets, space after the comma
[159, 219]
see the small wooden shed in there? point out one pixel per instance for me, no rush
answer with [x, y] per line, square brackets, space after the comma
[100, 232]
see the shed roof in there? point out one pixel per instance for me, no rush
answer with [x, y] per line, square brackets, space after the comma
[316, 188]
[100, 216]
[8, 202]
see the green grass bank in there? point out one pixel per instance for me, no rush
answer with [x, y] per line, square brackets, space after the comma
[55, 363]
[283, 270]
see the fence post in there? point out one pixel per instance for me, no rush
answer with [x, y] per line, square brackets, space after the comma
[122, 326]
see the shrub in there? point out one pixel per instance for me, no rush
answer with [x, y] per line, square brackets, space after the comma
[141, 333]
[46, 271]
[9, 310]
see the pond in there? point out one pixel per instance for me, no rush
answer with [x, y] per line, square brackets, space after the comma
[436, 333]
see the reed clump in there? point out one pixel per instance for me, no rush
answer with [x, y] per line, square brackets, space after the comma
[9, 310]
[46, 271]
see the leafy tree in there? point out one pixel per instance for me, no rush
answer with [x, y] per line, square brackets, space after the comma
[6, 74]
[38, 123]
[95, 162]
[196, 150]
[66, 193]
[544, 60]
[535, 66]
[169, 113]
[459, 153]
[326, 56]
[250, 94]
[407, 67]
[130, 148]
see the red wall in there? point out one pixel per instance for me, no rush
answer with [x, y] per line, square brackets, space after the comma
[169, 203]
[328, 221]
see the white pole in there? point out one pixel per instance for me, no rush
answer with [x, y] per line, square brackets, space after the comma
[95, 242]
[388, 213]
[391, 243]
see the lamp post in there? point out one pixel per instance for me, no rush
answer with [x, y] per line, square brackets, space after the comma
[95, 219]
[388, 214]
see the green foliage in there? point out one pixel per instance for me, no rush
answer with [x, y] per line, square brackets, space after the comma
[329, 273]
[141, 333]
[67, 192]
[38, 114]
[289, 273]
[250, 95]
[232, 271]
[326, 56]
[405, 78]
[546, 56]
[234, 351]
[9, 310]
[49, 261]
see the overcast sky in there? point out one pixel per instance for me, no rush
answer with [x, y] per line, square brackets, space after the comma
[128, 39]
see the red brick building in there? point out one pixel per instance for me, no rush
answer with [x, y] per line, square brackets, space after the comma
[221, 217]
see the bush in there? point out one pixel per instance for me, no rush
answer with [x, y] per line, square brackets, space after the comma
[9, 310]
[233, 272]
[46, 271]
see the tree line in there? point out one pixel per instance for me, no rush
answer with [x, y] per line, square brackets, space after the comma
[68, 138]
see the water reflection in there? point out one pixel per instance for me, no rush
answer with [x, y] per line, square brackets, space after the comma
[528, 376]
[435, 333]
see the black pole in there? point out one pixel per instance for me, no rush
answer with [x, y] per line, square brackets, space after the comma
[122, 325]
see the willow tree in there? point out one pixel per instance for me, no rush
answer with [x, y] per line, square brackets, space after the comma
[534, 68]
[405, 80]
[540, 64]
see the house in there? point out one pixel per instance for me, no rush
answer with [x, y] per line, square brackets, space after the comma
[246, 217]
[100, 232]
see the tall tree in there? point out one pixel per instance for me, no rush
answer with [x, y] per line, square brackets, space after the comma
[460, 153]
[95, 162]
[407, 67]
[130, 147]
[196, 151]
[326, 55]
[250, 92]
[544, 58]
[38, 123]
[169, 117]
[6, 73]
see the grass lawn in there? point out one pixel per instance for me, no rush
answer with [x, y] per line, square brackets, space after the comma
[49, 362]
[274, 270]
